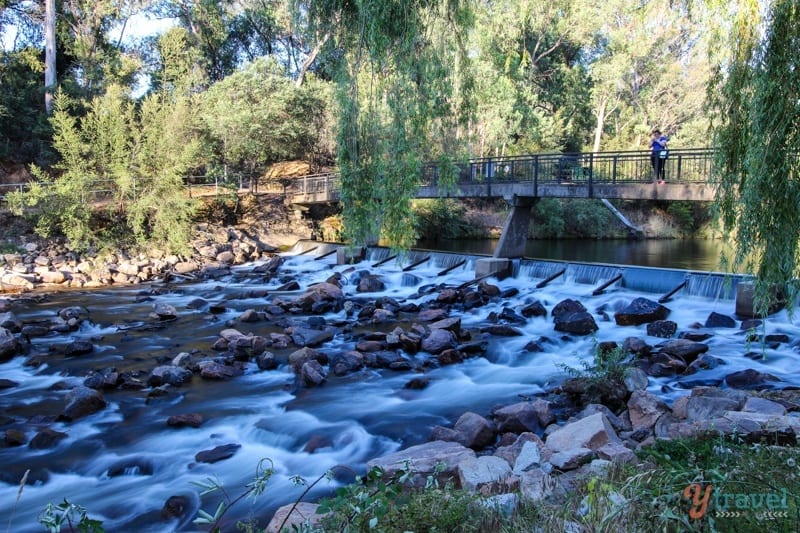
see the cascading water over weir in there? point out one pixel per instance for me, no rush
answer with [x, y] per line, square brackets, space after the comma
[124, 461]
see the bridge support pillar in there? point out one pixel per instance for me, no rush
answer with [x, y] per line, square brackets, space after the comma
[515, 231]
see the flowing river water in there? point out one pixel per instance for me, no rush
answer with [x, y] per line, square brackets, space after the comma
[124, 462]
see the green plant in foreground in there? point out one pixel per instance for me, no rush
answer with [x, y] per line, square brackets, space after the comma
[255, 488]
[601, 379]
[66, 514]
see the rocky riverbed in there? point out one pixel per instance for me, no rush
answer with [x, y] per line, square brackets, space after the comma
[313, 336]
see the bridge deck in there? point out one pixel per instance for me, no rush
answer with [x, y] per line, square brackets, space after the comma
[623, 175]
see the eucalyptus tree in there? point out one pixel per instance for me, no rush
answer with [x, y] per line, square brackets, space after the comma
[756, 98]
[401, 87]
[648, 67]
[532, 83]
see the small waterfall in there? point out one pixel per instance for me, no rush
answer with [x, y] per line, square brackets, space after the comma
[537, 269]
[589, 273]
[714, 285]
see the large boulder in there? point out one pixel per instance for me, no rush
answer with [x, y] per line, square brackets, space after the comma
[570, 316]
[424, 460]
[476, 431]
[640, 311]
[9, 345]
[169, 375]
[591, 432]
[438, 341]
[83, 401]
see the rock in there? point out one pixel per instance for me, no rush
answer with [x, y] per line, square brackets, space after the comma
[662, 328]
[10, 322]
[590, 432]
[7, 383]
[512, 452]
[267, 361]
[83, 401]
[536, 485]
[763, 406]
[312, 337]
[717, 320]
[635, 379]
[46, 438]
[517, 418]
[570, 316]
[533, 309]
[176, 507]
[417, 384]
[219, 453]
[450, 356]
[451, 324]
[617, 453]
[294, 517]
[749, 379]
[217, 371]
[432, 315]
[312, 374]
[165, 311]
[439, 340]
[645, 409]
[79, 347]
[640, 311]
[636, 346]
[168, 374]
[486, 475]
[571, 459]
[250, 315]
[476, 431]
[371, 283]
[683, 348]
[192, 420]
[298, 358]
[14, 437]
[9, 345]
[529, 458]
[704, 362]
[345, 362]
[423, 460]
[706, 407]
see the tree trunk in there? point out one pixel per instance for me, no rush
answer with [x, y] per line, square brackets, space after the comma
[598, 129]
[310, 59]
[49, 53]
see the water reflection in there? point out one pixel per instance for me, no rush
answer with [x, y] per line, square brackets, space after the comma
[685, 254]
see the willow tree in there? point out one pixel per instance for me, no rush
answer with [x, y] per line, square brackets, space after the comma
[757, 132]
[398, 94]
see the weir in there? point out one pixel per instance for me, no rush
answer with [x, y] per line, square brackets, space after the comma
[662, 281]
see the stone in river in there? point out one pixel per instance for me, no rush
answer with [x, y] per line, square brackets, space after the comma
[220, 453]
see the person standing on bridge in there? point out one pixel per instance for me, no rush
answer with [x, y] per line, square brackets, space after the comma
[658, 154]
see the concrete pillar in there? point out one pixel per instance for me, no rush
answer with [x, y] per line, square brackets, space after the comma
[499, 268]
[347, 255]
[515, 231]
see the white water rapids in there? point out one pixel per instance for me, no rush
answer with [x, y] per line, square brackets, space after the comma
[123, 462]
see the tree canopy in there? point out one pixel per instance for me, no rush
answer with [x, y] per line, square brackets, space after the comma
[756, 96]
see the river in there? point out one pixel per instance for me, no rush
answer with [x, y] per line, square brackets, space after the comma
[124, 462]
[685, 254]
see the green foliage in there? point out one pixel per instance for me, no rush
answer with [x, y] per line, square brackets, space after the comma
[253, 489]
[586, 219]
[756, 100]
[378, 502]
[402, 77]
[257, 117]
[24, 130]
[601, 379]
[69, 515]
[443, 219]
[124, 162]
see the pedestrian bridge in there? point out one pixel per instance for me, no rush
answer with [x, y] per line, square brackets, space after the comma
[614, 175]
[523, 180]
